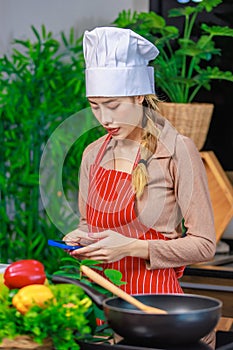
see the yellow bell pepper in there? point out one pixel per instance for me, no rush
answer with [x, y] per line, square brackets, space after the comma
[34, 294]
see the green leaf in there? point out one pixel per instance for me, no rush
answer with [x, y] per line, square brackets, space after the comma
[65, 41]
[125, 18]
[208, 5]
[36, 33]
[216, 73]
[115, 276]
[217, 30]
[183, 11]
[152, 20]
[93, 263]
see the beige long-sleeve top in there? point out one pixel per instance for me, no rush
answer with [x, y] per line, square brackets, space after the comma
[177, 188]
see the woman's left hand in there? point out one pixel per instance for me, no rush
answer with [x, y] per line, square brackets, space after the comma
[112, 246]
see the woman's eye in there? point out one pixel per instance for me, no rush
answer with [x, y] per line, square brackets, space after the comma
[109, 106]
[95, 108]
[115, 106]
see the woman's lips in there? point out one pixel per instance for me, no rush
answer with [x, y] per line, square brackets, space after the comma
[112, 131]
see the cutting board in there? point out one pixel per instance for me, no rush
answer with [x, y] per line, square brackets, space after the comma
[221, 192]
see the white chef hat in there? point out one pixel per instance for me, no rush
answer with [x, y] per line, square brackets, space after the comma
[117, 62]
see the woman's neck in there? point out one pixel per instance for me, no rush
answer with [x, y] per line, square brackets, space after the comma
[125, 153]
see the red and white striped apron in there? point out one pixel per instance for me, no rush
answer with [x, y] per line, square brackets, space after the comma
[110, 205]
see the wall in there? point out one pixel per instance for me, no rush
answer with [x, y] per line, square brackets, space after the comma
[16, 16]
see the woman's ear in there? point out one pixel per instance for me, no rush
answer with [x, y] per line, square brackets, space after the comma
[139, 99]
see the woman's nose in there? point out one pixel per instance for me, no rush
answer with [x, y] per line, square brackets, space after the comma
[106, 116]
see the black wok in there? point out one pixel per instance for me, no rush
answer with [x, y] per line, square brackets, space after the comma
[190, 317]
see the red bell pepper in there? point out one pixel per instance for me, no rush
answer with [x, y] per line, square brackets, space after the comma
[23, 273]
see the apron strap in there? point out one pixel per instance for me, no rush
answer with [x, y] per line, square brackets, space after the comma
[102, 150]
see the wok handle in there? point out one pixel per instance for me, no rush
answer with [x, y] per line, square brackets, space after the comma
[95, 296]
[119, 292]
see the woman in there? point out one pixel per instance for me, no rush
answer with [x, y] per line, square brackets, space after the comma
[142, 180]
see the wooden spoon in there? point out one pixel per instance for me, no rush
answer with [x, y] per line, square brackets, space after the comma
[118, 292]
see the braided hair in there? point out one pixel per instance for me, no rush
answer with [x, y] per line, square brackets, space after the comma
[148, 144]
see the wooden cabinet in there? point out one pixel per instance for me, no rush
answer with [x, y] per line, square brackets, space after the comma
[221, 192]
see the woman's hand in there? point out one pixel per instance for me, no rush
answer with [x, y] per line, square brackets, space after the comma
[78, 237]
[111, 246]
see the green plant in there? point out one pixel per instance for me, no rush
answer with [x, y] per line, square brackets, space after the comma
[71, 269]
[64, 322]
[41, 85]
[180, 68]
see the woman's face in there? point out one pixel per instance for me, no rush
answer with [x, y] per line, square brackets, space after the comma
[120, 116]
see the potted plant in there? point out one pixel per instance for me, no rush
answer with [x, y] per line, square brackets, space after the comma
[181, 69]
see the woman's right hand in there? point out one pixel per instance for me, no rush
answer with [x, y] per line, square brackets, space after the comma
[78, 237]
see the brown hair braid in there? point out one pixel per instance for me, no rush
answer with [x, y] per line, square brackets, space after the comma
[148, 144]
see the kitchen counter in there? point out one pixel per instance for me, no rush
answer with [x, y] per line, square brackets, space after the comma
[214, 279]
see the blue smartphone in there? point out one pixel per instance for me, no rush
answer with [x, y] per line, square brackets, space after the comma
[62, 245]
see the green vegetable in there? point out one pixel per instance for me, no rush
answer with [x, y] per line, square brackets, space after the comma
[63, 324]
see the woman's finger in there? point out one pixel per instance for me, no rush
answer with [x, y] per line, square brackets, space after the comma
[98, 235]
[76, 236]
